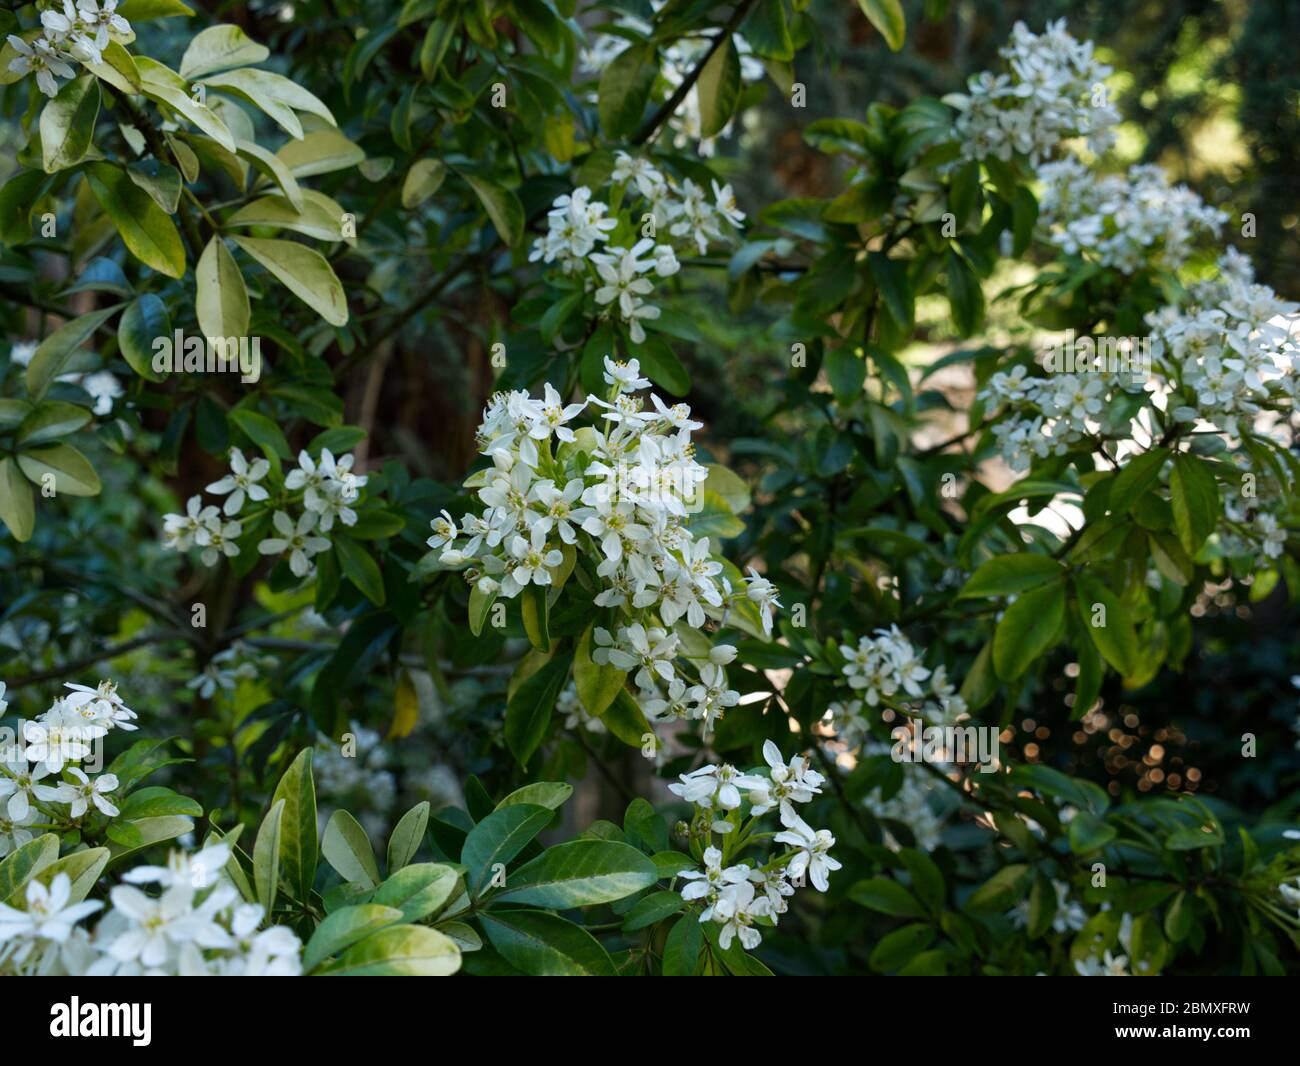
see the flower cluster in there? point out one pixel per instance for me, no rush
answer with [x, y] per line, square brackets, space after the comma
[1123, 221]
[353, 773]
[887, 670]
[224, 671]
[678, 60]
[618, 276]
[619, 496]
[43, 780]
[1069, 916]
[1051, 91]
[196, 926]
[325, 488]
[75, 33]
[1227, 352]
[739, 896]
[1053, 414]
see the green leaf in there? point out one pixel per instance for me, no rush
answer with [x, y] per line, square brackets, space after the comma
[546, 945]
[624, 91]
[156, 801]
[83, 869]
[17, 506]
[653, 908]
[964, 295]
[344, 928]
[682, 946]
[50, 421]
[55, 350]
[274, 168]
[502, 207]
[72, 473]
[528, 712]
[221, 300]
[320, 152]
[165, 86]
[927, 880]
[436, 41]
[1089, 833]
[891, 280]
[423, 180]
[498, 838]
[18, 198]
[1027, 629]
[346, 847]
[218, 48]
[118, 69]
[1007, 574]
[718, 89]
[407, 835]
[896, 949]
[399, 951]
[275, 94]
[304, 272]
[68, 124]
[266, 856]
[1194, 497]
[298, 832]
[318, 217]
[261, 431]
[148, 10]
[1001, 890]
[420, 890]
[146, 230]
[549, 794]
[360, 568]
[598, 686]
[25, 862]
[886, 896]
[480, 603]
[1138, 475]
[887, 17]
[535, 615]
[661, 365]
[1116, 639]
[143, 322]
[580, 873]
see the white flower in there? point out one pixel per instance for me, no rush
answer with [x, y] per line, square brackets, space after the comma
[736, 909]
[197, 871]
[157, 927]
[713, 878]
[724, 201]
[763, 593]
[103, 387]
[86, 792]
[444, 531]
[814, 848]
[792, 782]
[627, 376]
[179, 531]
[242, 480]
[49, 914]
[714, 787]
[296, 540]
[1108, 966]
[532, 563]
[18, 782]
[40, 58]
